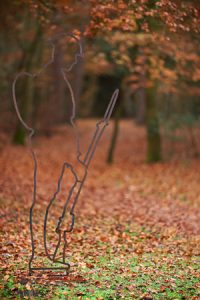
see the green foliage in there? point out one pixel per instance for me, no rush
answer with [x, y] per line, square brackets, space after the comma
[157, 275]
[11, 290]
[7, 288]
[178, 121]
[108, 282]
[180, 128]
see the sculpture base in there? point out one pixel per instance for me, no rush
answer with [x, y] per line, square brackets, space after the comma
[65, 270]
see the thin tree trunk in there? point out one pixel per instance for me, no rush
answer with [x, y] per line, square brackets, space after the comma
[57, 116]
[27, 88]
[38, 93]
[140, 117]
[114, 135]
[152, 127]
[78, 80]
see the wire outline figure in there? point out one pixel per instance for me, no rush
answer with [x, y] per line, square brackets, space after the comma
[100, 126]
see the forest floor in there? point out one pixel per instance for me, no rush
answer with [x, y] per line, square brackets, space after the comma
[137, 230]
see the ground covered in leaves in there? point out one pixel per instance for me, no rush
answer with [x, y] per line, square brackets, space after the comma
[137, 226]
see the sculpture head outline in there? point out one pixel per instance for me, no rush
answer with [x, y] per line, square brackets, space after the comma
[78, 54]
[52, 42]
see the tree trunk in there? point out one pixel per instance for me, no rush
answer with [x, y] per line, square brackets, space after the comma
[79, 75]
[114, 135]
[152, 127]
[27, 91]
[140, 101]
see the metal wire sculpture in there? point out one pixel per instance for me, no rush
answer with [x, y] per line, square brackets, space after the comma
[76, 188]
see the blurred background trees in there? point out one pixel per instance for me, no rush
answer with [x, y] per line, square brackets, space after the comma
[149, 49]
